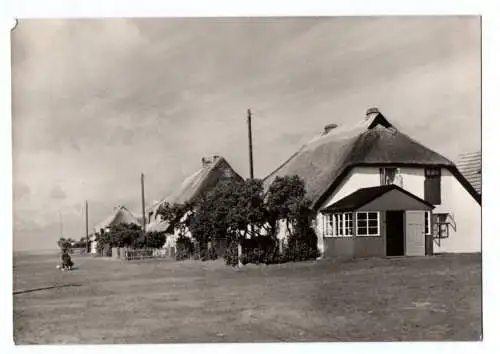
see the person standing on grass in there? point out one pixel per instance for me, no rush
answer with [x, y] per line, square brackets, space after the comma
[67, 263]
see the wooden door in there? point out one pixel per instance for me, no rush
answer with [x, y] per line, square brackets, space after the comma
[415, 233]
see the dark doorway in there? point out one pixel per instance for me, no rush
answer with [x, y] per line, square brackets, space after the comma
[395, 245]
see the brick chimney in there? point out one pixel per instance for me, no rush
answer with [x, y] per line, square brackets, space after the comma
[205, 161]
[329, 128]
[372, 112]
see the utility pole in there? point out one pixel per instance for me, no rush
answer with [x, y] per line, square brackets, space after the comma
[250, 161]
[86, 227]
[250, 149]
[143, 205]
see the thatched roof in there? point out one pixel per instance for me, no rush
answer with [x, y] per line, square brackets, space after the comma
[326, 159]
[213, 170]
[469, 166]
[120, 215]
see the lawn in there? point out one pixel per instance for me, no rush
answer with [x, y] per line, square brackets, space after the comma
[421, 298]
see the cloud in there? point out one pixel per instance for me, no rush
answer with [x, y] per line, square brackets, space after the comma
[57, 193]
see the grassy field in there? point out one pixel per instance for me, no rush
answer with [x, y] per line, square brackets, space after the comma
[428, 298]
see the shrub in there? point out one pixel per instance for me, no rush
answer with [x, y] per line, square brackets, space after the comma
[155, 239]
[302, 245]
[212, 254]
[231, 254]
[207, 252]
[261, 249]
[185, 248]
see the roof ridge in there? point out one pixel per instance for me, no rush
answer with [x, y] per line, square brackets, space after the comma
[344, 128]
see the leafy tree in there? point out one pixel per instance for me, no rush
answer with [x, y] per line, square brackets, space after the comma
[284, 199]
[80, 244]
[303, 241]
[210, 220]
[122, 235]
[185, 248]
[174, 213]
[155, 240]
[233, 210]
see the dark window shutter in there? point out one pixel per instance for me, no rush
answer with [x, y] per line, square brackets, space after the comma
[432, 190]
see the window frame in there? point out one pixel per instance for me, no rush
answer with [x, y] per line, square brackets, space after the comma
[367, 220]
[340, 225]
[328, 225]
[348, 230]
[383, 175]
[441, 227]
[428, 223]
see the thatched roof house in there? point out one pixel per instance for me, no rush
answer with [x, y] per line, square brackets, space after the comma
[325, 160]
[120, 215]
[213, 170]
[376, 191]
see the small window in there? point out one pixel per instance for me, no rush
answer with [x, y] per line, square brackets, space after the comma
[343, 222]
[387, 176]
[440, 225]
[368, 224]
[328, 225]
[432, 186]
[338, 225]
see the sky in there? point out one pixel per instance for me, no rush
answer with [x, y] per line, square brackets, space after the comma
[98, 102]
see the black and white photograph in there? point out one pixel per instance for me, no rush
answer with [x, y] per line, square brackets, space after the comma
[247, 179]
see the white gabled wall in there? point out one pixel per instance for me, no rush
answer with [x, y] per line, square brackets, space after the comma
[455, 200]
[465, 212]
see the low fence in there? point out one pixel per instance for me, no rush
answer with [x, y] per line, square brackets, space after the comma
[130, 254]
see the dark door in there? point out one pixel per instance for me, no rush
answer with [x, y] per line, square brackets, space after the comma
[429, 245]
[395, 245]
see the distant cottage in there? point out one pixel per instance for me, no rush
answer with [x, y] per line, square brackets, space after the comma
[378, 192]
[213, 171]
[120, 215]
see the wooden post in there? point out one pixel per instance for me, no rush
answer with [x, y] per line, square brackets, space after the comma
[86, 227]
[250, 148]
[143, 204]
[240, 251]
[250, 162]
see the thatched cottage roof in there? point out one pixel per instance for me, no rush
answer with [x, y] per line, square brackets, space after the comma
[120, 215]
[470, 166]
[212, 171]
[326, 159]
